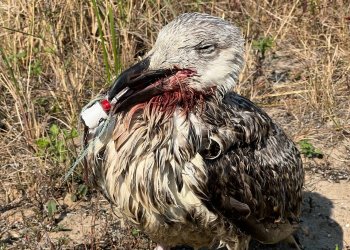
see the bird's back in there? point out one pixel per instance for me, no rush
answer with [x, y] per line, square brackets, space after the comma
[256, 181]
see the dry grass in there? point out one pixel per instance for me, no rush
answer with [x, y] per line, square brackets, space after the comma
[52, 63]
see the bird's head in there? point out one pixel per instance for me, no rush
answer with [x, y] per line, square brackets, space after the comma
[195, 50]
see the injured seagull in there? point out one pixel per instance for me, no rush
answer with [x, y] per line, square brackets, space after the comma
[185, 159]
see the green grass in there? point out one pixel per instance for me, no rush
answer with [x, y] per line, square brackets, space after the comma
[102, 42]
[113, 40]
[51, 207]
[57, 143]
[263, 45]
[309, 150]
[9, 69]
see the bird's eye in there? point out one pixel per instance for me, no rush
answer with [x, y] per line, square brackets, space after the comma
[206, 48]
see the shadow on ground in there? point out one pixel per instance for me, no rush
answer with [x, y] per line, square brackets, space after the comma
[318, 231]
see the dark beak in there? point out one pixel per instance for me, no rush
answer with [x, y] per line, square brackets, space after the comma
[137, 84]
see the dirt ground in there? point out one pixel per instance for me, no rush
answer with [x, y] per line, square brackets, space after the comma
[90, 224]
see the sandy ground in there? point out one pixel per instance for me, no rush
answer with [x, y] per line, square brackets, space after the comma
[325, 215]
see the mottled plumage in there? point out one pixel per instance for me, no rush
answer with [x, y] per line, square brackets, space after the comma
[188, 161]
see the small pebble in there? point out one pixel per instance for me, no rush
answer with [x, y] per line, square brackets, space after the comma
[347, 225]
[329, 235]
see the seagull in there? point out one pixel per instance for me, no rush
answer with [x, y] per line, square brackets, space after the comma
[184, 158]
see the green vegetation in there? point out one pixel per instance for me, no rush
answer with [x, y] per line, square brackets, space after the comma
[56, 144]
[263, 45]
[115, 46]
[51, 207]
[307, 149]
[135, 232]
[80, 193]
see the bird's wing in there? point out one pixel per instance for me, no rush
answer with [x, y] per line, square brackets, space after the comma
[254, 172]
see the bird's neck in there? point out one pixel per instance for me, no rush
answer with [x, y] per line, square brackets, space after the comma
[185, 98]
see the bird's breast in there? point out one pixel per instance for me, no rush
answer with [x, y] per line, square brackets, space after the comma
[150, 163]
